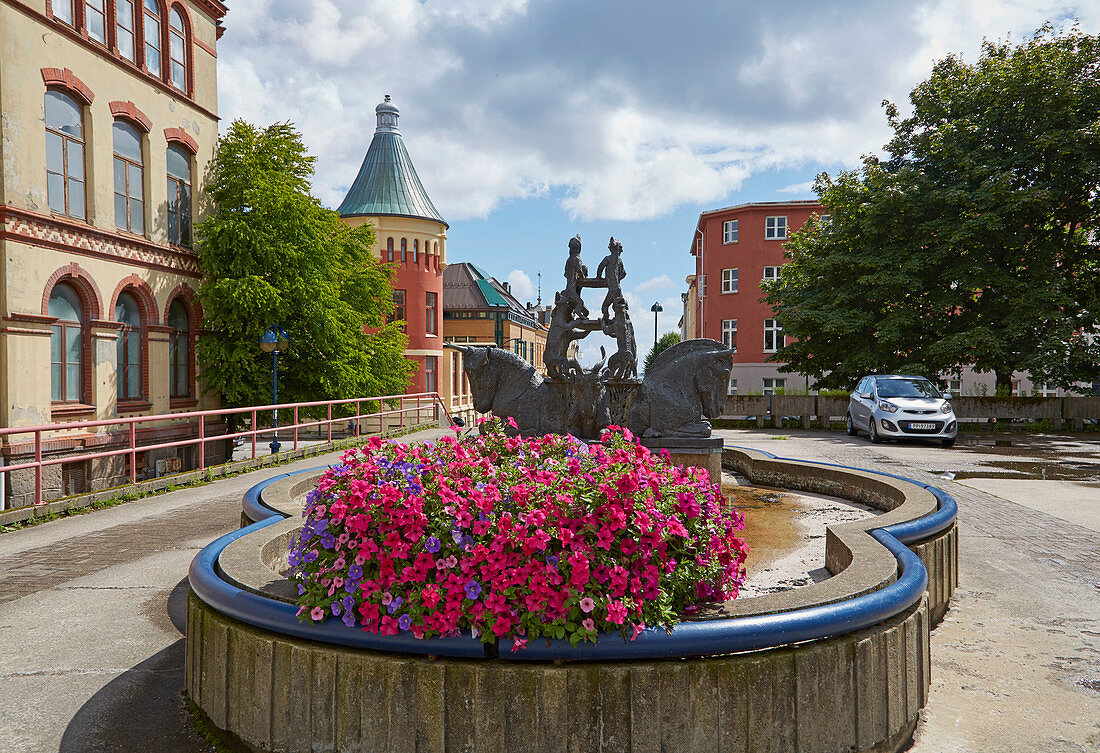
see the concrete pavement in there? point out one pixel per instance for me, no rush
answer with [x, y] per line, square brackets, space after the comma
[1016, 661]
[91, 609]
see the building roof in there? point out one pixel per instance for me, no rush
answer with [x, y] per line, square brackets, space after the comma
[469, 288]
[387, 184]
[748, 205]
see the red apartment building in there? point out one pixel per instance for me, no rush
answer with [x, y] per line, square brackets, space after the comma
[735, 249]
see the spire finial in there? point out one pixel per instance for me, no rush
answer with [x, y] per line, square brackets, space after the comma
[387, 114]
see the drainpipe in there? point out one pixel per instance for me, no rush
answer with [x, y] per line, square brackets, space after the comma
[3, 485]
[702, 279]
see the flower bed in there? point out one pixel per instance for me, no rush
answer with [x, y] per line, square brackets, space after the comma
[514, 537]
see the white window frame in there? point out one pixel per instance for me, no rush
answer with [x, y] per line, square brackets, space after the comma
[1042, 390]
[729, 232]
[732, 390]
[702, 286]
[955, 387]
[774, 230]
[775, 329]
[772, 384]
[771, 273]
[729, 280]
[729, 334]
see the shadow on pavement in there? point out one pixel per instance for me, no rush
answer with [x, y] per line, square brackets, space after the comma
[142, 709]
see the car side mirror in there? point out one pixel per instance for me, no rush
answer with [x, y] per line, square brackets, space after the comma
[865, 395]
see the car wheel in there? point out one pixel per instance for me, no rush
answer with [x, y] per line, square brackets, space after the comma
[872, 431]
[850, 426]
[947, 442]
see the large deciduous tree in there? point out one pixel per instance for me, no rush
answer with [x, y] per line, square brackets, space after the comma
[272, 255]
[973, 242]
[667, 340]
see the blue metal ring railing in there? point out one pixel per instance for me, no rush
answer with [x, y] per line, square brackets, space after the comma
[688, 639]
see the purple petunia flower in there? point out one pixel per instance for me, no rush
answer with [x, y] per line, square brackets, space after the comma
[432, 544]
[456, 534]
[467, 542]
[404, 621]
[553, 560]
[307, 534]
[473, 589]
[301, 589]
[310, 556]
[350, 586]
[395, 604]
[355, 572]
[349, 619]
[349, 602]
[335, 609]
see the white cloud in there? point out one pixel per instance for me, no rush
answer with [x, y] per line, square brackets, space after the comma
[522, 288]
[806, 187]
[507, 99]
[655, 283]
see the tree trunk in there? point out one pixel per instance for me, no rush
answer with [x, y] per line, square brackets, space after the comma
[1004, 382]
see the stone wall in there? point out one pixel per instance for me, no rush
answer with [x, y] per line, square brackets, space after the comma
[856, 692]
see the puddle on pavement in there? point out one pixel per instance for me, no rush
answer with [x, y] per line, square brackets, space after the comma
[1021, 458]
[771, 529]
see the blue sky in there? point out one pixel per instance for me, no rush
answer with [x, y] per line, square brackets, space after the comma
[530, 121]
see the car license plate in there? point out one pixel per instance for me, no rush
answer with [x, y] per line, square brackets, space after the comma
[921, 427]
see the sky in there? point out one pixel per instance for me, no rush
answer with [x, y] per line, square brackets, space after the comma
[530, 121]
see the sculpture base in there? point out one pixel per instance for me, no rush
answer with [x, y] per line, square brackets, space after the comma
[700, 452]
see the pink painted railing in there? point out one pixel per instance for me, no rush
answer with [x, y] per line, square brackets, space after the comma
[387, 419]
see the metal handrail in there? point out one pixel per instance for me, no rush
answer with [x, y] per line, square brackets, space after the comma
[129, 425]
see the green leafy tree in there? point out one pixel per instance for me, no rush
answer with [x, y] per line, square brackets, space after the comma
[667, 341]
[272, 255]
[972, 242]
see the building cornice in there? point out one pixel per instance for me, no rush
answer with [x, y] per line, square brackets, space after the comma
[803, 203]
[50, 231]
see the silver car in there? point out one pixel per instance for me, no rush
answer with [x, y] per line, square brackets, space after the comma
[901, 406]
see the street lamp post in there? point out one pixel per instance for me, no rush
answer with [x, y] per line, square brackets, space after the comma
[656, 309]
[272, 341]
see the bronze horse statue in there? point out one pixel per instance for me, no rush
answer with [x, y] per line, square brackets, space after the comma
[682, 385]
[505, 385]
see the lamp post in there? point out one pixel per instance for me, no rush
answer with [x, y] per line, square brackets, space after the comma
[272, 341]
[656, 309]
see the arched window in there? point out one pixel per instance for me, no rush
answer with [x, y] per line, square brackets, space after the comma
[179, 350]
[95, 20]
[63, 11]
[64, 154]
[416, 251]
[404, 251]
[179, 196]
[389, 249]
[152, 37]
[124, 29]
[130, 336]
[66, 346]
[177, 49]
[129, 196]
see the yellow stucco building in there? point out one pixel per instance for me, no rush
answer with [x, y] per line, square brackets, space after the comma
[109, 119]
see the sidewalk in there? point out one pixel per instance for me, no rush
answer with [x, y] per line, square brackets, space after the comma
[1016, 661]
[92, 614]
[92, 610]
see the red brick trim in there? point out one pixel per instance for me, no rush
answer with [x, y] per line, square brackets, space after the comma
[143, 294]
[70, 411]
[181, 137]
[84, 285]
[72, 237]
[205, 47]
[141, 291]
[63, 78]
[191, 305]
[30, 318]
[153, 79]
[130, 111]
[188, 47]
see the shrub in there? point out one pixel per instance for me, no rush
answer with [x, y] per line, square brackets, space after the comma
[514, 537]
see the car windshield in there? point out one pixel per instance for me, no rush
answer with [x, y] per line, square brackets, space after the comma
[907, 388]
